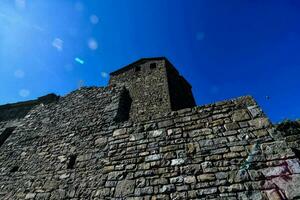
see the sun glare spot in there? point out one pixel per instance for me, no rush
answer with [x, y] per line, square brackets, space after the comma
[93, 44]
[24, 93]
[79, 6]
[80, 61]
[20, 4]
[94, 19]
[19, 73]
[104, 74]
[200, 36]
[58, 44]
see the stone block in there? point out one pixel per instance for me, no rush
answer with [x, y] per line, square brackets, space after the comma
[191, 148]
[156, 133]
[289, 185]
[231, 126]
[116, 175]
[294, 166]
[144, 191]
[104, 192]
[30, 196]
[119, 132]
[255, 111]
[231, 155]
[178, 179]
[260, 123]
[251, 195]
[207, 142]
[237, 148]
[189, 179]
[125, 188]
[275, 171]
[136, 136]
[178, 161]
[152, 157]
[274, 194]
[167, 188]
[240, 115]
[206, 177]
[101, 142]
[206, 191]
[42, 196]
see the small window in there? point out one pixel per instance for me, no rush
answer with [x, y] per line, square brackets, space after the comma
[137, 68]
[6, 133]
[124, 107]
[72, 160]
[14, 169]
[152, 65]
[296, 152]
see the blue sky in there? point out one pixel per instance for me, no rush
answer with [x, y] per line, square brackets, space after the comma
[225, 49]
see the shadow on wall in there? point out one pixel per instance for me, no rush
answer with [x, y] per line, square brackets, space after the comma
[124, 106]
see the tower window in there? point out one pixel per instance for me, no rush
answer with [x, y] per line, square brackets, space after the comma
[14, 169]
[124, 106]
[137, 68]
[296, 152]
[152, 65]
[72, 160]
[6, 133]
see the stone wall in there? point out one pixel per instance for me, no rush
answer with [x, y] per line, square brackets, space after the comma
[132, 140]
[290, 132]
[74, 149]
[19, 110]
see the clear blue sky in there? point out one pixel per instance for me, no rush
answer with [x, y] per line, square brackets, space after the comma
[225, 49]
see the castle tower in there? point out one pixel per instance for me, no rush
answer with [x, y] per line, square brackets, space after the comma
[154, 86]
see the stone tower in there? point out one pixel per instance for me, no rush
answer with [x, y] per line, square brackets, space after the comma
[154, 87]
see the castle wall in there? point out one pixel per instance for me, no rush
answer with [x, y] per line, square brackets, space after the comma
[19, 110]
[290, 132]
[74, 149]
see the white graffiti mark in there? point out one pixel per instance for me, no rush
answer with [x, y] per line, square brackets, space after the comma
[254, 151]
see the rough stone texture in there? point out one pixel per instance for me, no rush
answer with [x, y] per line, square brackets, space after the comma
[74, 148]
[290, 131]
[19, 110]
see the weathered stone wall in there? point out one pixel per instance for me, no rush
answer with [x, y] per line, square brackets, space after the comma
[290, 132]
[19, 110]
[35, 156]
[219, 151]
[125, 142]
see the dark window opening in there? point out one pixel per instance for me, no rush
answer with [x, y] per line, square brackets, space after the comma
[137, 68]
[124, 106]
[6, 133]
[152, 65]
[72, 161]
[296, 152]
[14, 169]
